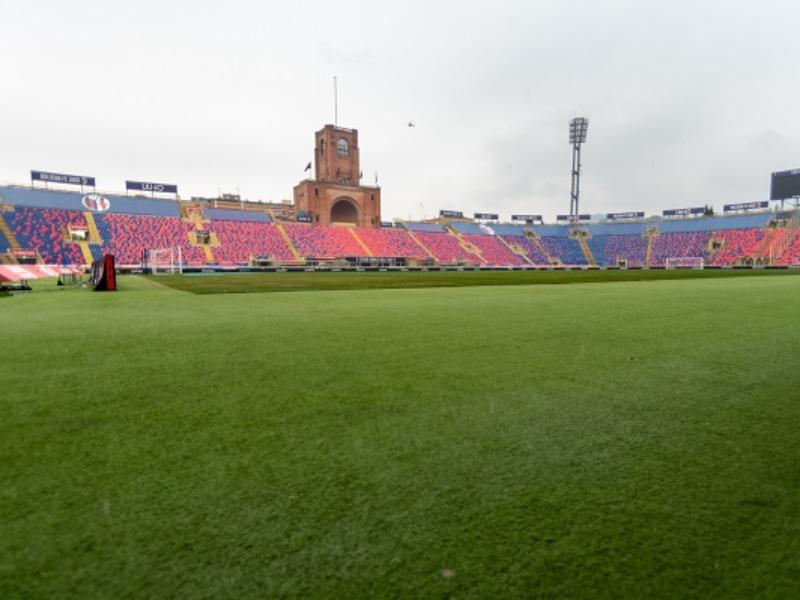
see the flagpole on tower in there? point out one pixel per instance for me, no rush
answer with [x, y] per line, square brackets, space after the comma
[335, 102]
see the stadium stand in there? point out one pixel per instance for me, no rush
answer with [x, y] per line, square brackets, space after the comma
[391, 242]
[679, 244]
[127, 236]
[5, 245]
[532, 251]
[791, 254]
[39, 220]
[317, 241]
[609, 250]
[468, 227]
[737, 244]
[240, 240]
[101, 203]
[425, 227]
[43, 229]
[493, 250]
[446, 248]
[565, 248]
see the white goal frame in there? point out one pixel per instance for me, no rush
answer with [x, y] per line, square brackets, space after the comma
[685, 262]
[165, 260]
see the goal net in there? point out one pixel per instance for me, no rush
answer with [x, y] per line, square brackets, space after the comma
[164, 260]
[685, 262]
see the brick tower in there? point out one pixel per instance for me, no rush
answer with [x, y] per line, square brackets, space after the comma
[335, 194]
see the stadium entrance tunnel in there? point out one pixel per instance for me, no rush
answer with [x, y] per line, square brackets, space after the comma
[344, 211]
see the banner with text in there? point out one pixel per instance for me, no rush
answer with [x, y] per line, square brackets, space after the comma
[745, 206]
[147, 186]
[683, 212]
[62, 178]
[451, 214]
[624, 215]
[487, 216]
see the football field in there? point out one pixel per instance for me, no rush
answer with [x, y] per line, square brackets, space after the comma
[604, 439]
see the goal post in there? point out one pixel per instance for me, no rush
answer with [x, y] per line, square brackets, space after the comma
[685, 262]
[164, 260]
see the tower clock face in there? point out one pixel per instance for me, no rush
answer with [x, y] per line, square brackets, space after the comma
[342, 147]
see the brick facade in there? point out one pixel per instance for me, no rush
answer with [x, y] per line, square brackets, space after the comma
[334, 195]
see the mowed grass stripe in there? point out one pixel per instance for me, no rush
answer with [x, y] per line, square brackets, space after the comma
[207, 283]
[621, 440]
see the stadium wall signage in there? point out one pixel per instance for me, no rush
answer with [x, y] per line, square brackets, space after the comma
[147, 186]
[387, 224]
[303, 218]
[568, 218]
[487, 216]
[96, 202]
[683, 212]
[526, 218]
[624, 215]
[745, 206]
[62, 178]
[454, 214]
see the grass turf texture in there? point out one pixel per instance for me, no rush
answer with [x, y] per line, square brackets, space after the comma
[319, 280]
[632, 439]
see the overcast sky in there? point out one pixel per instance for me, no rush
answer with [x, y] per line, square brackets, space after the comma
[689, 102]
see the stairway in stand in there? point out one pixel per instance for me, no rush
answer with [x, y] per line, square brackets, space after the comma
[360, 242]
[12, 239]
[516, 250]
[421, 245]
[774, 243]
[587, 253]
[288, 241]
[651, 233]
[551, 260]
[195, 215]
[466, 246]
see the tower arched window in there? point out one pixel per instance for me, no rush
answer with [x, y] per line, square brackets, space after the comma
[342, 148]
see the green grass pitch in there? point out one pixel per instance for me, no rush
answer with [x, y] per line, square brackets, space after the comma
[629, 439]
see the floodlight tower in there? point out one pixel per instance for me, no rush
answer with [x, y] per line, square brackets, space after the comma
[577, 136]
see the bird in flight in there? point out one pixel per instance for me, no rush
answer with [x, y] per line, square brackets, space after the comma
[411, 124]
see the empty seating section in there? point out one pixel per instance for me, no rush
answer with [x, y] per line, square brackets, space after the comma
[494, 251]
[446, 248]
[391, 242]
[791, 254]
[239, 240]
[737, 243]
[4, 243]
[608, 250]
[127, 236]
[531, 249]
[318, 241]
[678, 244]
[565, 248]
[40, 226]
[42, 229]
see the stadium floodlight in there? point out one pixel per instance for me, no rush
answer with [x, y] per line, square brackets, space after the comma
[577, 130]
[577, 136]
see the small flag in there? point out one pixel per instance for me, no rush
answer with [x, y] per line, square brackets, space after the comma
[361, 174]
[308, 167]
